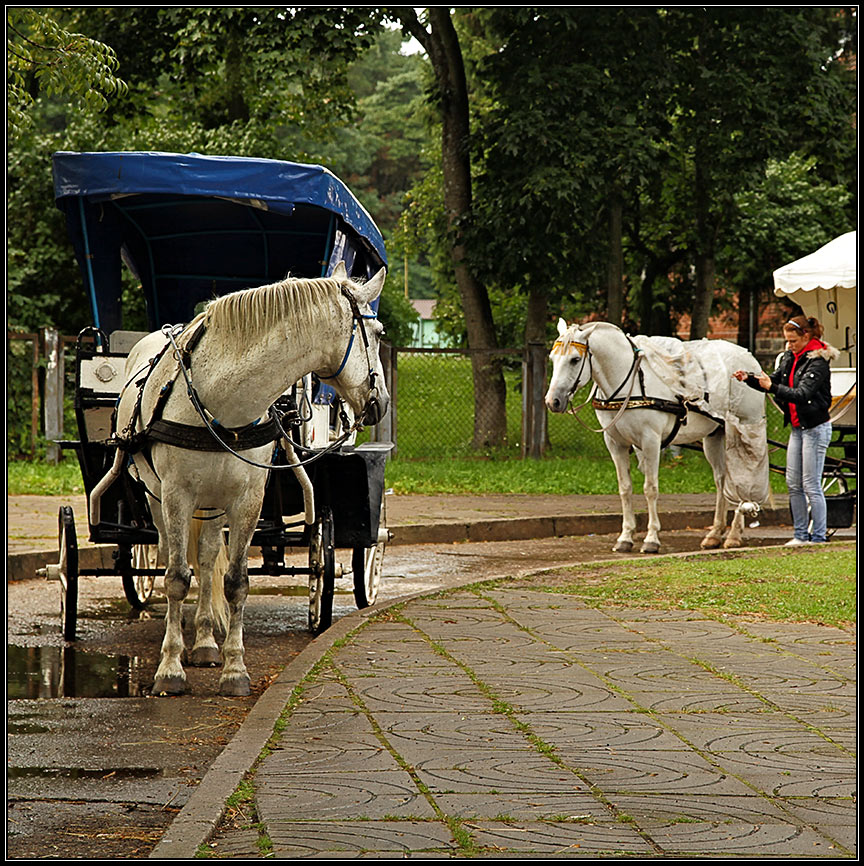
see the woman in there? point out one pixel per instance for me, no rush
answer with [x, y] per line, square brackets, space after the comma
[801, 385]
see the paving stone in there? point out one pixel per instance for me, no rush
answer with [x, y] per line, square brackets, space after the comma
[661, 772]
[353, 756]
[421, 694]
[605, 730]
[559, 838]
[819, 811]
[743, 840]
[239, 844]
[303, 838]
[524, 806]
[453, 730]
[460, 771]
[558, 694]
[650, 810]
[339, 796]
[824, 785]
[765, 733]
[711, 768]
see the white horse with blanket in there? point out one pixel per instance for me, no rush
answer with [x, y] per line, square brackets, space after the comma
[218, 379]
[651, 392]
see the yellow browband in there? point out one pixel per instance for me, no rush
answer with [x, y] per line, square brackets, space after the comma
[561, 348]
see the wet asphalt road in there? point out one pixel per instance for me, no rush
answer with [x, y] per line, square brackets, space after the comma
[97, 768]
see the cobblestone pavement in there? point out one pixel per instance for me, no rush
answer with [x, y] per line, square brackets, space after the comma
[508, 721]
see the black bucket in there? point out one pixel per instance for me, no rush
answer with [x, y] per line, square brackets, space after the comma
[841, 510]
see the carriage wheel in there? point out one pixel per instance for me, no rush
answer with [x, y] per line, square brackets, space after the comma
[139, 587]
[322, 577]
[367, 564]
[68, 572]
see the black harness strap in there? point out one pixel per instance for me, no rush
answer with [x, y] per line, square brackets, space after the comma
[201, 439]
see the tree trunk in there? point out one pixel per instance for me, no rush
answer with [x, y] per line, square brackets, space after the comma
[445, 54]
[704, 299]
[615, 272]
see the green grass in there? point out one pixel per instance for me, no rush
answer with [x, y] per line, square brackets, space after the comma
[688, 473]
[45, 479]
[814, 584]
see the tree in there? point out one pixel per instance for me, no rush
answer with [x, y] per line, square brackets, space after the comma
[575, 111]
[736, 104]
[44, 58]
[440, 40]
[789, 213]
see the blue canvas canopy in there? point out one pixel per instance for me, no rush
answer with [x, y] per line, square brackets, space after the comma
[193, 227]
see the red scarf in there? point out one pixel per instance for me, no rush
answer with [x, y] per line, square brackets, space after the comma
[812, 346]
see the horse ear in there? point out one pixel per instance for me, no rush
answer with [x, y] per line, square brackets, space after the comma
[562, 327]
[339, 272]
[367, 292]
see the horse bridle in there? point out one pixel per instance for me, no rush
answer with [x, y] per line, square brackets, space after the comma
[372, 408]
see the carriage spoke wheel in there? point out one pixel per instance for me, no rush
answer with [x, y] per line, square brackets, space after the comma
[68, 572]
[139, 587]
[367, 564]
[322, 577]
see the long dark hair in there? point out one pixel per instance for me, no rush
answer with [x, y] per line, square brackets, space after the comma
[803, 325]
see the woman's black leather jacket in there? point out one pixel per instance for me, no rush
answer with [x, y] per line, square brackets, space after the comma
[811, 386]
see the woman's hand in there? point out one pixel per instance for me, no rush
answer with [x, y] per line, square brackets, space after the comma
[762, 378]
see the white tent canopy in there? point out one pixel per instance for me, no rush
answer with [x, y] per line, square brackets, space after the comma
[831, 266]
[825, 286]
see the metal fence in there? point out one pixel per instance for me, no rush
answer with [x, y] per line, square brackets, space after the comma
[432, 402]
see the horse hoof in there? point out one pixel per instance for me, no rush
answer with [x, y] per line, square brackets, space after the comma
[730, 543]
[238, 687]
[623, 547]
[169, 686]
[205, 657]
[711, 542]
[650, 547]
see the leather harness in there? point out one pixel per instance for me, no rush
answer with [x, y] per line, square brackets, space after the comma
[678, 407]
[191, 437]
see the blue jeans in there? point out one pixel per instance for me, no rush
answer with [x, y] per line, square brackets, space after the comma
[805, 458]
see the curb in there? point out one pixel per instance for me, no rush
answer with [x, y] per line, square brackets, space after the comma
[24, 566]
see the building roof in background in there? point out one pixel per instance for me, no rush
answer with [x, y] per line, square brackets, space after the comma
[425, 309]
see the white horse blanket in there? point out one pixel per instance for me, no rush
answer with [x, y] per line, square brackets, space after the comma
[700, 372]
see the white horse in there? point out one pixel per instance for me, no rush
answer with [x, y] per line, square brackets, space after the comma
[643, 409]
[243, 352]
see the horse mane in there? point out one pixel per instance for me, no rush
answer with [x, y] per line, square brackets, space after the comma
[248, 314]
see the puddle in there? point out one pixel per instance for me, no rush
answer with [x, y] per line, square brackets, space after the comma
[66, 672]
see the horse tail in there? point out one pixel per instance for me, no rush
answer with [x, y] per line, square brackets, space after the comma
[218, 602]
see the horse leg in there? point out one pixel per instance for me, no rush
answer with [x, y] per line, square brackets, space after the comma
[621, 458]
[170, 677]
[235, 681]
[735, 538]
[714, 447]
[649, 463]
[204, 549]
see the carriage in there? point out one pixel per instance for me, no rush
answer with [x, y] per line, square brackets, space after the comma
[824, 285]
[191, 228]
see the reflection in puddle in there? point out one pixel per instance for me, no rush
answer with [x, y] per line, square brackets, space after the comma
[66, 672]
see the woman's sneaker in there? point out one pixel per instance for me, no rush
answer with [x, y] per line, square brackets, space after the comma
[796, 542]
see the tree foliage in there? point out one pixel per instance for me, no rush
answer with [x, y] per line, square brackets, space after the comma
[45, 58]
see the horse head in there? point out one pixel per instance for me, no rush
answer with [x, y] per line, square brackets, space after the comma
[359, 378]
[571, 366]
